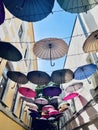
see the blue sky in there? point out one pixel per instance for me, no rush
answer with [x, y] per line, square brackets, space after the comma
[56, 25]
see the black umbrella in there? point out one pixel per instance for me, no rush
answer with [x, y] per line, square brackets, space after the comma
[38, 77]
[62, 76]
[9, 52]
[17, 77]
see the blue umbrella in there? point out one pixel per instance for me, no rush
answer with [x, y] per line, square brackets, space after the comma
[83, 72]
[30, 10]
[77, 6]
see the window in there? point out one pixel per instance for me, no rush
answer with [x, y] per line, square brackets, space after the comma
[21, 34]
[3, 84]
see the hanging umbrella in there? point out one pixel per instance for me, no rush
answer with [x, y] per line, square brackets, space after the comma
[34, 114]
[53, 112]
[91, 43]
[55, 100]
[17, 77]
[74, 87]
[52, 91]
[50, 48]
[27, 92]
[41, 100]
[83, 72]
[9, 52]
[30, 100]
[2, 12]
[77, 6]
[47, 108]
[71, 96]
[30, 10]
[62, 76]
[63, 106]
[38, 77]
[32, 106]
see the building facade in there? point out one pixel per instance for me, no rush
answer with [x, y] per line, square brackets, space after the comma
[13, 115]
[85, 116]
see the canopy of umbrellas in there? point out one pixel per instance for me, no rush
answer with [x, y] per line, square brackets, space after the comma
[47, 102]
[48, 49]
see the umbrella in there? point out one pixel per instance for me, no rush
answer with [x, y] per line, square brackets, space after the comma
[91, 43]
[73, 87]
[77, 6]
[62, 76]
[83, 72]
[9, 52]
[53, 112]
[71, 96]
[55, 100]
[52, 91]
[32, 106]
[50, 48]
[34, 114]
[17, 76]
[2, 12]
[42, 101]
[27, 92]
[38, 77]
[27, 99]
[47, 107]
[30, 10]
[63, 106]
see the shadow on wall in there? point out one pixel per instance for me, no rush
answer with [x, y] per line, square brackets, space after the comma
[91, 111]
[90, 21]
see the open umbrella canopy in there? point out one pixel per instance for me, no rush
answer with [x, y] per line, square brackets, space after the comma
[17, 77]
[63, 106]
[38, 77]
[62, 76]
[91, 43]
[29, 100]
[53, 112]
[71, 96]
[30, 10]
[83, 72]
[74, 87]
[2, 12]
[41, 100]
[27, 92]
[48, 107]
[32, 106]
[77, 6]
[52, 91]
[50, 48]
[9, 52]
[34, 114]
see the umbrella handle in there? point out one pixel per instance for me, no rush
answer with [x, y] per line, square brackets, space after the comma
[52, 64]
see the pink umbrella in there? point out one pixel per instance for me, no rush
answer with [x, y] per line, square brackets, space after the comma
[47, 107]
[27, 92]
[71, 96]
[53, 112]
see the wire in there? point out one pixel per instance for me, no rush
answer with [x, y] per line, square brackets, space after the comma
[68, 37]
